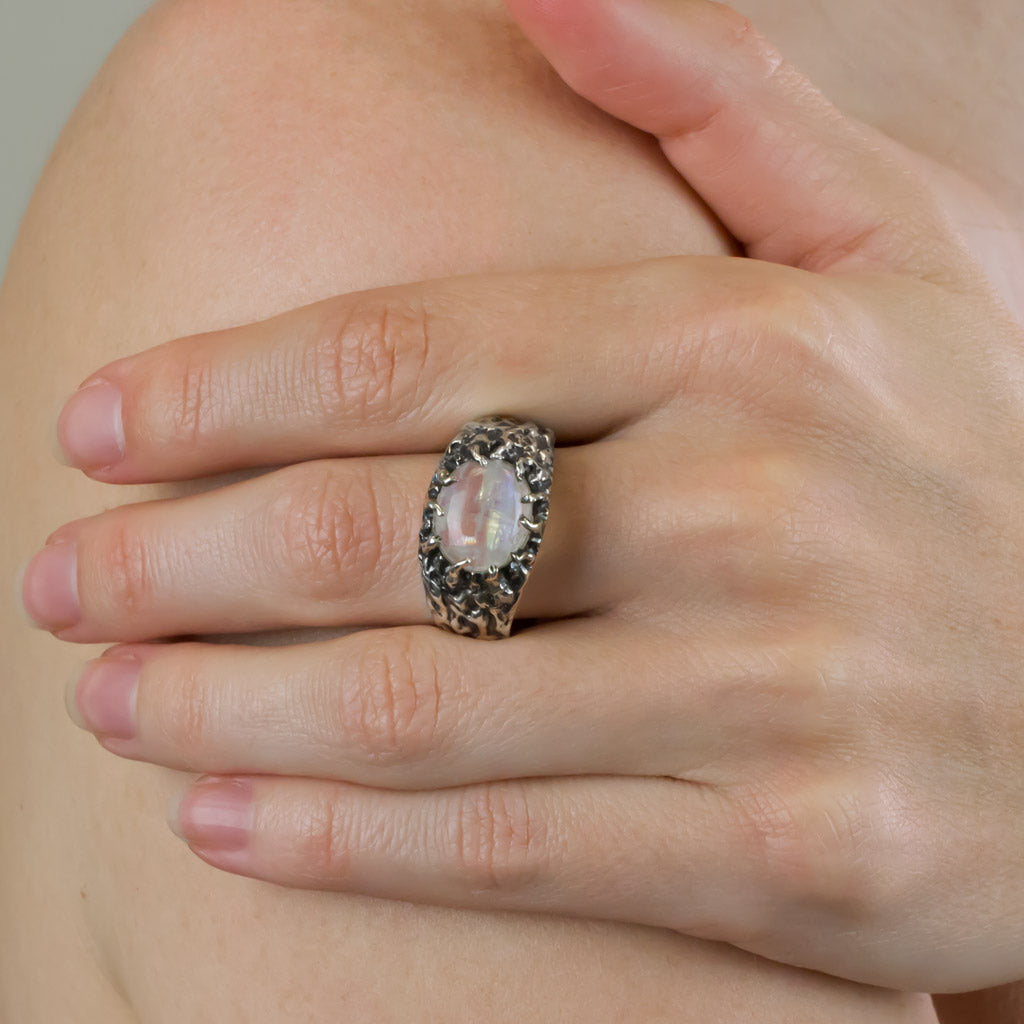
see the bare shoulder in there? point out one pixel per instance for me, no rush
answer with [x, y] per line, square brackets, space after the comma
[232, 159]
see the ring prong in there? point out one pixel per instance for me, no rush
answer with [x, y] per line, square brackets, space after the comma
[529, 523]
[435, 508]
[450, 574]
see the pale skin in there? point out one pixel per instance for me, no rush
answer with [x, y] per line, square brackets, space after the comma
[787, 543]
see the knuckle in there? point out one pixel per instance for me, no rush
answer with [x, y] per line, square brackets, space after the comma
[322, 846]
[750, 512]
[493, 839]
[194, 403]
[779, 525]
[370, 359]
[184, 719]
[127, 568]
[768, 484]
[762, 55]
[807, 517]
[773, 519]
[791, 521]
[329, 527]
[771, 345]
[788, 694]
[391, 705]
[795, 327]
[736, 32]
[772, 840]
[776, 497]
[816, 848]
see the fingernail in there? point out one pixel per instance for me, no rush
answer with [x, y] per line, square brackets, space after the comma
[214, 813]
[90, 430]
[103, 698]
[49, 588]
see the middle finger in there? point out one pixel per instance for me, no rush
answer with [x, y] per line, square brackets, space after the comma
[416, 707]
[399, 369]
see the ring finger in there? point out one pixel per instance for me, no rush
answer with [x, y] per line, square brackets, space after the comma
[334, 543]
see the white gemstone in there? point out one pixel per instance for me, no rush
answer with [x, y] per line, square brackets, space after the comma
[482, 507]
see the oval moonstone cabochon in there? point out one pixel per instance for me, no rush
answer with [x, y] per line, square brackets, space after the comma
[482, 506]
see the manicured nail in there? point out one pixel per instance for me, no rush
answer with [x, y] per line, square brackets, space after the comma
[90, 430]
[49, 589]
[103, 697]
[215, 814]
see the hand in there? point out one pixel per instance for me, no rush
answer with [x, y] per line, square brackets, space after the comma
[773, 695]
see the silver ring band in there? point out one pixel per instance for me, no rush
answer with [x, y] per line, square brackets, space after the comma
[483, 521]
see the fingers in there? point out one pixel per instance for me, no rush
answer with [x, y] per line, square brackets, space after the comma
[791, 178]
[335, 543]
[385, 371]
[573, 846]
[401, 369]
[415, 707]
[318, 544]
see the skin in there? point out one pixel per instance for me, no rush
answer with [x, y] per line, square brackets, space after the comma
[778, 433]
[671, 985]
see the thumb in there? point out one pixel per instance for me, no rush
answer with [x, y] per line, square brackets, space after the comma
[792, 178]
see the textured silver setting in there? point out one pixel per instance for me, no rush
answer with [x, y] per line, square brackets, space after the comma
[481, 603]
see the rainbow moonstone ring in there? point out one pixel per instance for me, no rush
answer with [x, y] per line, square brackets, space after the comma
[483, 522]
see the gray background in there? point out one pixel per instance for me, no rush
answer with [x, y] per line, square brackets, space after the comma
[49, 49]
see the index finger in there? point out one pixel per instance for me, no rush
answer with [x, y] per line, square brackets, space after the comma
[792, 178]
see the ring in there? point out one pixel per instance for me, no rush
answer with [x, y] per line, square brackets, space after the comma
[483, 522]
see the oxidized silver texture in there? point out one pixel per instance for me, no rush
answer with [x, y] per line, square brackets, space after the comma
[481, 603]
